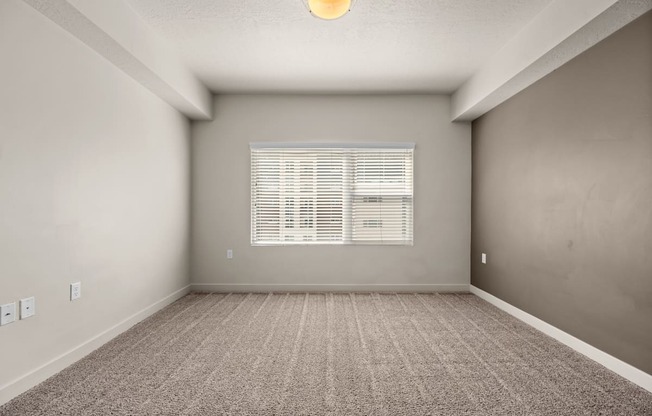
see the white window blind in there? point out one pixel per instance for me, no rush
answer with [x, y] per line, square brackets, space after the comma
[328, 194]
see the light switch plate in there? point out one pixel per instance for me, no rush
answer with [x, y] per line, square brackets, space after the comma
[27, 307]
[484, 258]
[7, 313]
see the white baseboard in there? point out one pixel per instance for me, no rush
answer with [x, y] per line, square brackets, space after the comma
[41, 373]
[619, 367]
[238, 287]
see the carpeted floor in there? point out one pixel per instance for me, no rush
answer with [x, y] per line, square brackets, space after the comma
[337, 354]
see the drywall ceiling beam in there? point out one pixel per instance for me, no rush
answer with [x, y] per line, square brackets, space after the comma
[117, 33]
[560, 32]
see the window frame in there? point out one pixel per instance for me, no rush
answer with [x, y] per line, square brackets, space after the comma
[347, 151]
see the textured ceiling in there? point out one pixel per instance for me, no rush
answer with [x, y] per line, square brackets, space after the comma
[380, 46]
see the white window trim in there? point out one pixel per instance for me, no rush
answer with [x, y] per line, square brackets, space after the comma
[347, 234]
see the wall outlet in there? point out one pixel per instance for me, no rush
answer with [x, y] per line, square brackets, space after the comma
[229, 254]
[484, 258]
[27, 307]
[7, 313]
[75, 291]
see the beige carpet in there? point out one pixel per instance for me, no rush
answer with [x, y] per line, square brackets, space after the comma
[338, 354]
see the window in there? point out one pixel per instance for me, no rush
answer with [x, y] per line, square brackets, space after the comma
[330, 194]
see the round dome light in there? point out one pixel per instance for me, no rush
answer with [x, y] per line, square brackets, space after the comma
[329, 9]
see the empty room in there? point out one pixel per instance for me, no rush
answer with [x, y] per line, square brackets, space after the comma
[325, 207]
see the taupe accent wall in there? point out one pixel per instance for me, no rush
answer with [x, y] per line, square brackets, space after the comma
[562, 197]
[221, 200]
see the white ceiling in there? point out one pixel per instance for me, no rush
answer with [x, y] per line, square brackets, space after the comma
[481, 52]
[380, 46]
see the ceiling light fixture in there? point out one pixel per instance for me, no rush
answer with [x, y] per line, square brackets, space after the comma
[329, 9]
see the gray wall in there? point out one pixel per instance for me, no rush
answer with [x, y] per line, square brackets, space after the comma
[562, 197]
[94, 187]
[221, 192]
